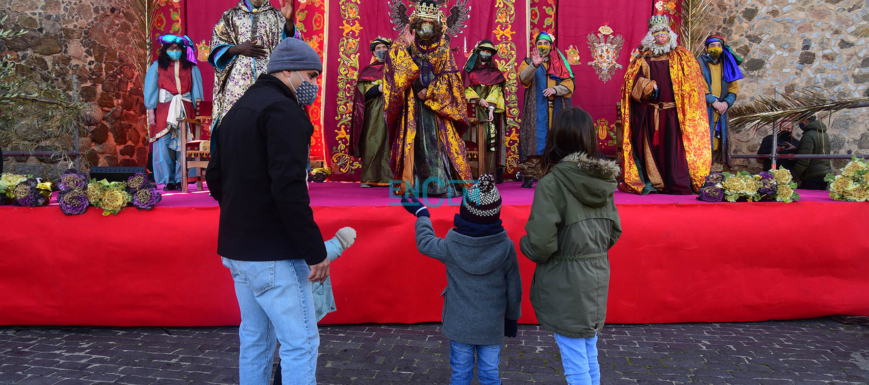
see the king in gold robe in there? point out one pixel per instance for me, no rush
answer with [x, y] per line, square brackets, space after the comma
[665, 139]
[426, 112]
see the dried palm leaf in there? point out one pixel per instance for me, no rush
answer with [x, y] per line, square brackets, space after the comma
[694, 28]
[795, 109]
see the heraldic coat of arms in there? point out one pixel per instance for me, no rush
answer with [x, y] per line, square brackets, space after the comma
[605, 48]
[455, 22]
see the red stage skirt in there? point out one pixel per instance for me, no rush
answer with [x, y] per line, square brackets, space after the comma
[679, 260]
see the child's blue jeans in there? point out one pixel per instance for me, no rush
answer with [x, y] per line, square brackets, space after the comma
[579, 358]
[462, 363]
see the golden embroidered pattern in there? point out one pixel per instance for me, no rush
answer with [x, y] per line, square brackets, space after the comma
[313, 30]
[348, 69]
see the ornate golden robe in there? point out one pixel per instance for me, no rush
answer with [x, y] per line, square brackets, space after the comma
[428, 152]
[688, 90]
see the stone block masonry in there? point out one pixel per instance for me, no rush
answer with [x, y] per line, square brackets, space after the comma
[793, 45]
[93, 40]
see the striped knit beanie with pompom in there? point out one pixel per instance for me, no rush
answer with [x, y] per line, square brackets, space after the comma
[482, 202]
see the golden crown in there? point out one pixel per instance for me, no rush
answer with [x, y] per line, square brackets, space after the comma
[605, 30]
[659, 20]
[427, 11]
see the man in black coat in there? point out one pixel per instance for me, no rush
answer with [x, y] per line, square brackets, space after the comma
[268, 238]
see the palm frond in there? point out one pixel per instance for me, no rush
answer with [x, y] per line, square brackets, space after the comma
[694, 27]
[798, 108]
[143, 13]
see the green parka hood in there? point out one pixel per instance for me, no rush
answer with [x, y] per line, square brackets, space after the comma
[592, 181]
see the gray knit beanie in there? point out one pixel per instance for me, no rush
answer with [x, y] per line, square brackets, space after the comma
[294, 55]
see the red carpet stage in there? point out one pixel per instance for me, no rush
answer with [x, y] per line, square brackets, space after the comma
[679, 260]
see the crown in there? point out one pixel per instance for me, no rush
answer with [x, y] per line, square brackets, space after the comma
[659, 18]
[427, 10]
[605, 30]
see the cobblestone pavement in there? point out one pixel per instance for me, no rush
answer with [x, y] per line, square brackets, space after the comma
[795, 352]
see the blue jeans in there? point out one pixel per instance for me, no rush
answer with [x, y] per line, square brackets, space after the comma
[462, 363]
[276, 304]
[579, 358]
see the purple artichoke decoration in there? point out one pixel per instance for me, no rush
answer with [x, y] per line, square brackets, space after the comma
[72, 180]
[27, 195]
[714, 179]
[73, 202]
[146, 198]
[768, 185]
[711, 194]
[138, 182]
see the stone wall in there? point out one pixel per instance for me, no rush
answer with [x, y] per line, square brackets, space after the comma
[792, 45]
[91, 39]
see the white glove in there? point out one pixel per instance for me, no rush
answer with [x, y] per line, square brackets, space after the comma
[346, 236]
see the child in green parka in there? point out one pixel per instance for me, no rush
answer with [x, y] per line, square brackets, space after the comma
[573, 224]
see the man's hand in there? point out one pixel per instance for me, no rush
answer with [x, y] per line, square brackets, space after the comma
[152, 118]
[491, 115]
[250, 49]
[720, 107]
[422, 94]
[319, 272]
[287, 10]
[407, 36]
[549, 92]
[380, 88]
[483, 103]
[535, 57]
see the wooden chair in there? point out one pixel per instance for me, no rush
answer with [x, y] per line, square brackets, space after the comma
[476, 157]
[196, 149]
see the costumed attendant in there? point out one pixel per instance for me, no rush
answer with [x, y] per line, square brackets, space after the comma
[241, 43]
[369, 139]
[549, 86]
[666, 140]
[426, 112]
[324, 299]
[720, 67]
[484, 88]
[482, 301]
[173, 90]
[573, 224]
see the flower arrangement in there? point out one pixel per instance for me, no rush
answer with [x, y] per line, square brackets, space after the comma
[853, 184]
[31, 193]
[8, 182]
[112, 197]
[775, 185]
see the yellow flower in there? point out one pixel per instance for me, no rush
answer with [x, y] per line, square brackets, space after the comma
[734, 184]
[94, 193]
[10, 181]
[114, 200]
[751, 185]
[783, 176]
[853, 167]
[841, 184]
[857, 194]
[784, 193]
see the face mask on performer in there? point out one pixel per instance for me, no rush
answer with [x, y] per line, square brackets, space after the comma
[426, 30]
[715, 50]
[544, 47]
[662, 38]
[174, 54]
[380, 52]
[485, 56]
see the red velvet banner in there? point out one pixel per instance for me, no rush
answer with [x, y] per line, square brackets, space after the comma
[353, 25]
[599, 51]
[674, 263]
